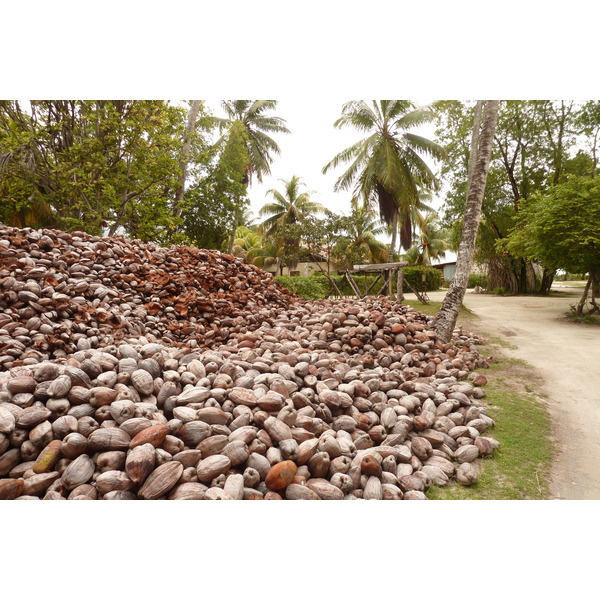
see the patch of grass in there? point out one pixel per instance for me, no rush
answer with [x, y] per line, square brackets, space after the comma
[588, 319]
[433, 307]
[498, 341]
[520, 468]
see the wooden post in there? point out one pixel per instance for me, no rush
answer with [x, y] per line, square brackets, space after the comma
[388, 274]
[353, 284]
[373, 284]
[400, 285]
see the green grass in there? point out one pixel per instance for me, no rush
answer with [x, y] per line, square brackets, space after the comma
[433, 307]
[588, 319]
[498, 341]
[520, 468]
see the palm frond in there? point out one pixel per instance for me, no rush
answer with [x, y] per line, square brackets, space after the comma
[433, 149]
[414, 119]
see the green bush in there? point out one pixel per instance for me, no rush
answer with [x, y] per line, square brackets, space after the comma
[309, 287]
[476, 279]
[317, 286]
[421, 278]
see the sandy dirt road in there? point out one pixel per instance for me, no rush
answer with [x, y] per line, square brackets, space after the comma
[567, 355]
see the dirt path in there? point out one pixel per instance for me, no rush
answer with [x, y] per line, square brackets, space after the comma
[568, 357]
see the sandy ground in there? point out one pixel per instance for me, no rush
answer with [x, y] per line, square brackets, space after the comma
[567, 355]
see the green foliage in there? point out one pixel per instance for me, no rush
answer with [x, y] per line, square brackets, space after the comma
[249, 117]
[432, 242]
[285, 226]
[310, 288]
[358, 243]
[287, 208]
[477, 279]
[561, 227]
[575, 317]
[386, 167]
[219, 199]
[533, 145]
[93, 165]
[421, 278]
[211, 207]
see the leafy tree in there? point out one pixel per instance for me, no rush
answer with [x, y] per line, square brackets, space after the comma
[95, 165]
[219, 199]
[588, 122]
[286, 211]
[561, 229]
[533, 143]
[209, 212]
[267, 255]
[386, 167]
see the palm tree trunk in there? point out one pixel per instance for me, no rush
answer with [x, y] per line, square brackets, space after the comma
[394, 236]
[446, 318]
[474, 141]
[185, 156]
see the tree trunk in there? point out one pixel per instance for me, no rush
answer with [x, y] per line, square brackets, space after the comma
[400, 285]
[581, 304]
[522, 276]
[594, 290]
[185, 156]
[474, 141]
[446, 318]
[394, 235]
[547, 279]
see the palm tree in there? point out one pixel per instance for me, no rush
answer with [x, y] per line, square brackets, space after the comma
[481, 147]
[256, 125]
[360, 243]
[267, 255]
[245, 240]
[247, 128]
[432, 242]
[288, 207]
[386, 166]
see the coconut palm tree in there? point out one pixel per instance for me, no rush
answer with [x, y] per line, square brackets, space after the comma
[245, 240]
[481, 148]
[288, 207]
[256, 127]
[432, 242]
[386, 167]
[267, 255]
[360, 243]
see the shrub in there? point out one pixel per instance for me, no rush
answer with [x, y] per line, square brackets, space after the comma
[477, 279]
[310, 288]
[423, 277]
[317, 286]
